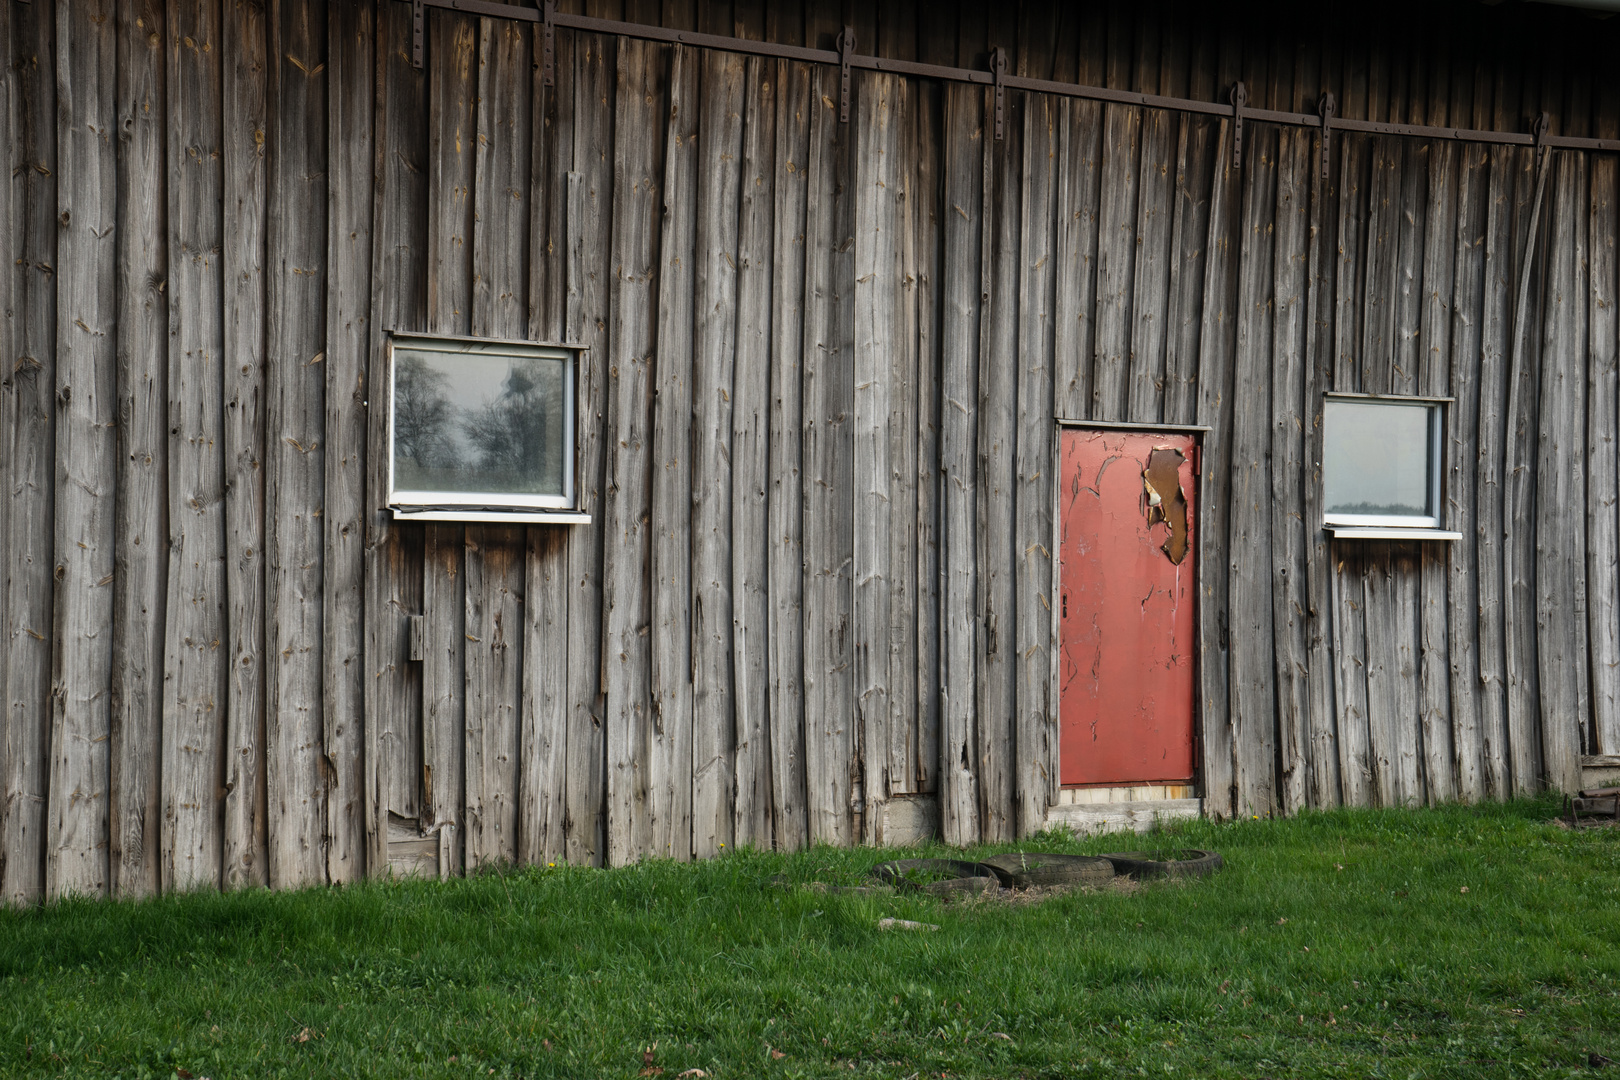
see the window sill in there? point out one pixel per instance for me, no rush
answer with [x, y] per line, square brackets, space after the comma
[1374, 532]
[497, 517]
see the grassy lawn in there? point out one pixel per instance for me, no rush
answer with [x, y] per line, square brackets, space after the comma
[1461, 941]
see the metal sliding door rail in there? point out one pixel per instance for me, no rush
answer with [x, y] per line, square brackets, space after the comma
[845, 57]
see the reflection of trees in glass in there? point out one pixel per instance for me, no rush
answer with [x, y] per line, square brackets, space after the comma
[422, 416]
[509, 433]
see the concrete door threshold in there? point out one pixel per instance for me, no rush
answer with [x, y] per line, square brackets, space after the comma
[1138, 816]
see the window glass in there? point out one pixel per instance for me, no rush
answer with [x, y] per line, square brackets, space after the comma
[1377, 459]
[479, 422]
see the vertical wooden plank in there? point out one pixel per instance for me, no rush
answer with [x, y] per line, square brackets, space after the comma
[1519, 598]
[196, 627]
[1560, 520]
[295, 465]
[243, 255]
[30, 381]
[1602, 482]
[998, 428]
[627, 496]
[351, 67]
[669, 763]
[503, 201]
[589, 309]
[1150, 302]
[393, 569]
[452, 132]
[1215, 373]
[714, 349]
[1035, 734]
[1462, 454]
[140, 561]
[1433, 347]
[750, 465]
[1290, 527]
[877, 182]
[1080, 150]
[1116, 256]
[542, 771]
[827, 451]
[785, 522]
[1253, 695]
[959, 408]
[1189, 236]
[922, 269]
[81, 663]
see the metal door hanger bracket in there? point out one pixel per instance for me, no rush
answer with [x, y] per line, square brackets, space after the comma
[846, 49]
[1240, 97]
[998, 65]
[418, 32]
[548, 43]
[1326, 107]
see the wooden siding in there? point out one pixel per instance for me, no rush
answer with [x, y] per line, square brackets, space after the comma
[816, 422]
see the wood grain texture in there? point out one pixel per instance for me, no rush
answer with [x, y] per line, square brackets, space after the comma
[195, 623]
[1150, 292]
[827, 452]
[142, 342]
[669, 762]
[784, 512]
[1602, 467]
[295, 451]
[959, 410]
[1074, 334]
[1116, 259]
[714, 345]
[86, 402]
[750, 461]
[627, 495]
[923, 269]
[352, 67]
[1189, 238]
[1035, 730]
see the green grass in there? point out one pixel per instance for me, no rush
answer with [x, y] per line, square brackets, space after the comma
[1334, 944]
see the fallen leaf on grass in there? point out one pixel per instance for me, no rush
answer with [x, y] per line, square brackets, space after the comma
[904, 924]
[545, 1044]
[1338, 866]
[647, 1054]
[1464, 888]
[1281, 921]
[1225, 984]
[1001, 1035]
[776, 1055]
[183, 1074]
[651, 1070]
[691, 1072]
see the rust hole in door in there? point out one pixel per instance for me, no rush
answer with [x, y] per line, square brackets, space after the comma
[1161, 489]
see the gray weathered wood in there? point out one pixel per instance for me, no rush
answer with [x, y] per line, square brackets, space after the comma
[195, 619]
[827, 451]
[1116, 256]
[784, 517]
[352, 67]
[86, 398]
[1080, 154]
[140, 561]
[1560, 484]
[1035, 730]
[1249, 556]
[1602, 481]
[1150, 292]
[1290, 478]
[877, 298]
[669, 763]
[1189, 238]
[750, 466]
[714, 345]
[295, 465]
[627, 495]
[959, 409]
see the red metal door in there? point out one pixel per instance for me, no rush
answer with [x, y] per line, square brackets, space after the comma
[1128, 618]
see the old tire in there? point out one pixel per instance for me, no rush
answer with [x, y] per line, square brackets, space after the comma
[1139, 864]
[1021, 870]
[937, 877]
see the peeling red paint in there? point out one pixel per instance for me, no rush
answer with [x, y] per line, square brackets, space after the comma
[1127, 614]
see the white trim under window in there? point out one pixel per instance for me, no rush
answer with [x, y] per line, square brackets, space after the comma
[482, 429]
[1383, 467]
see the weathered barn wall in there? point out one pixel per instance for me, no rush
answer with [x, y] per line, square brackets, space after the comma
[817, 433]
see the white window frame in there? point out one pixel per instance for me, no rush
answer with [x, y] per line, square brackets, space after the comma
[1429, 526]
[485, 505]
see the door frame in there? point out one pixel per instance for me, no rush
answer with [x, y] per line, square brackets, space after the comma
[1199, 434]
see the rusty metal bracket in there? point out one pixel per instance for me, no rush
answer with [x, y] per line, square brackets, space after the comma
[1326, 107]
[1240, 98]
[548, 43]
[998, 68]
[846, 51]
[418, 32]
